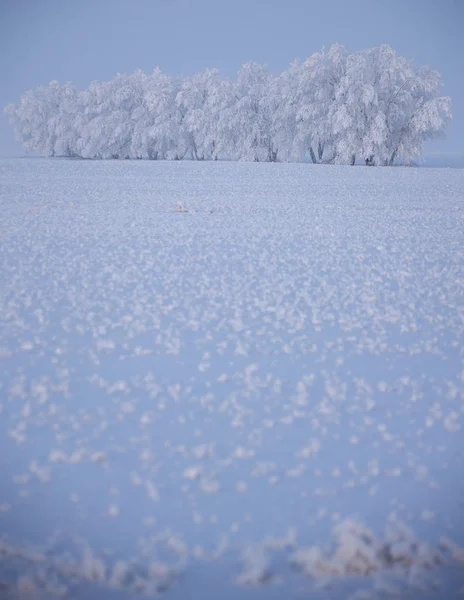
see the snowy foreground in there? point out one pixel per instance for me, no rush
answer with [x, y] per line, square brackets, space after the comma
[226, 380]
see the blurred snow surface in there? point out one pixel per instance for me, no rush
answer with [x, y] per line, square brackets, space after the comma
[230, 380]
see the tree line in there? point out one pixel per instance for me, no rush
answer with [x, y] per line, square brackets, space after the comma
[334, 108]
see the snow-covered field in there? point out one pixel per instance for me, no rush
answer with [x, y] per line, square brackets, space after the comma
[231, 380]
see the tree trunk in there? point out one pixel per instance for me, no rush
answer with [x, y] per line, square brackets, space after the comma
[272, 154]
[313, 156]
[353, 160]
[194, 149]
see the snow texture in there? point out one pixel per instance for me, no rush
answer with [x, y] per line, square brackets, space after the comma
[260, 395]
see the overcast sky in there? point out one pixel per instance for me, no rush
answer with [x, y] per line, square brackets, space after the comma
[85, 40]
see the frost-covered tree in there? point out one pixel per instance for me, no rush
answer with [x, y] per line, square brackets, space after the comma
[386, 108]
[249, 131]
[318, 83]
[160, 127]
[198, 102]
[334, 107]
[357, 120]
[414, 112]
[44, 118]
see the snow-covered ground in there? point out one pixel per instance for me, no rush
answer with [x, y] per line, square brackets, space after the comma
[231, 380]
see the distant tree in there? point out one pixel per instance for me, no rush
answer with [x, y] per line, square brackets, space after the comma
[318, 84]
[41, 118]
[248, 127]
[386, 108]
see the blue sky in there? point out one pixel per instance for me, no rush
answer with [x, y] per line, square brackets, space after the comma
[81, 41]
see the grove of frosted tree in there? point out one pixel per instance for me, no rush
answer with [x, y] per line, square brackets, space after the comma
[335, 107]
